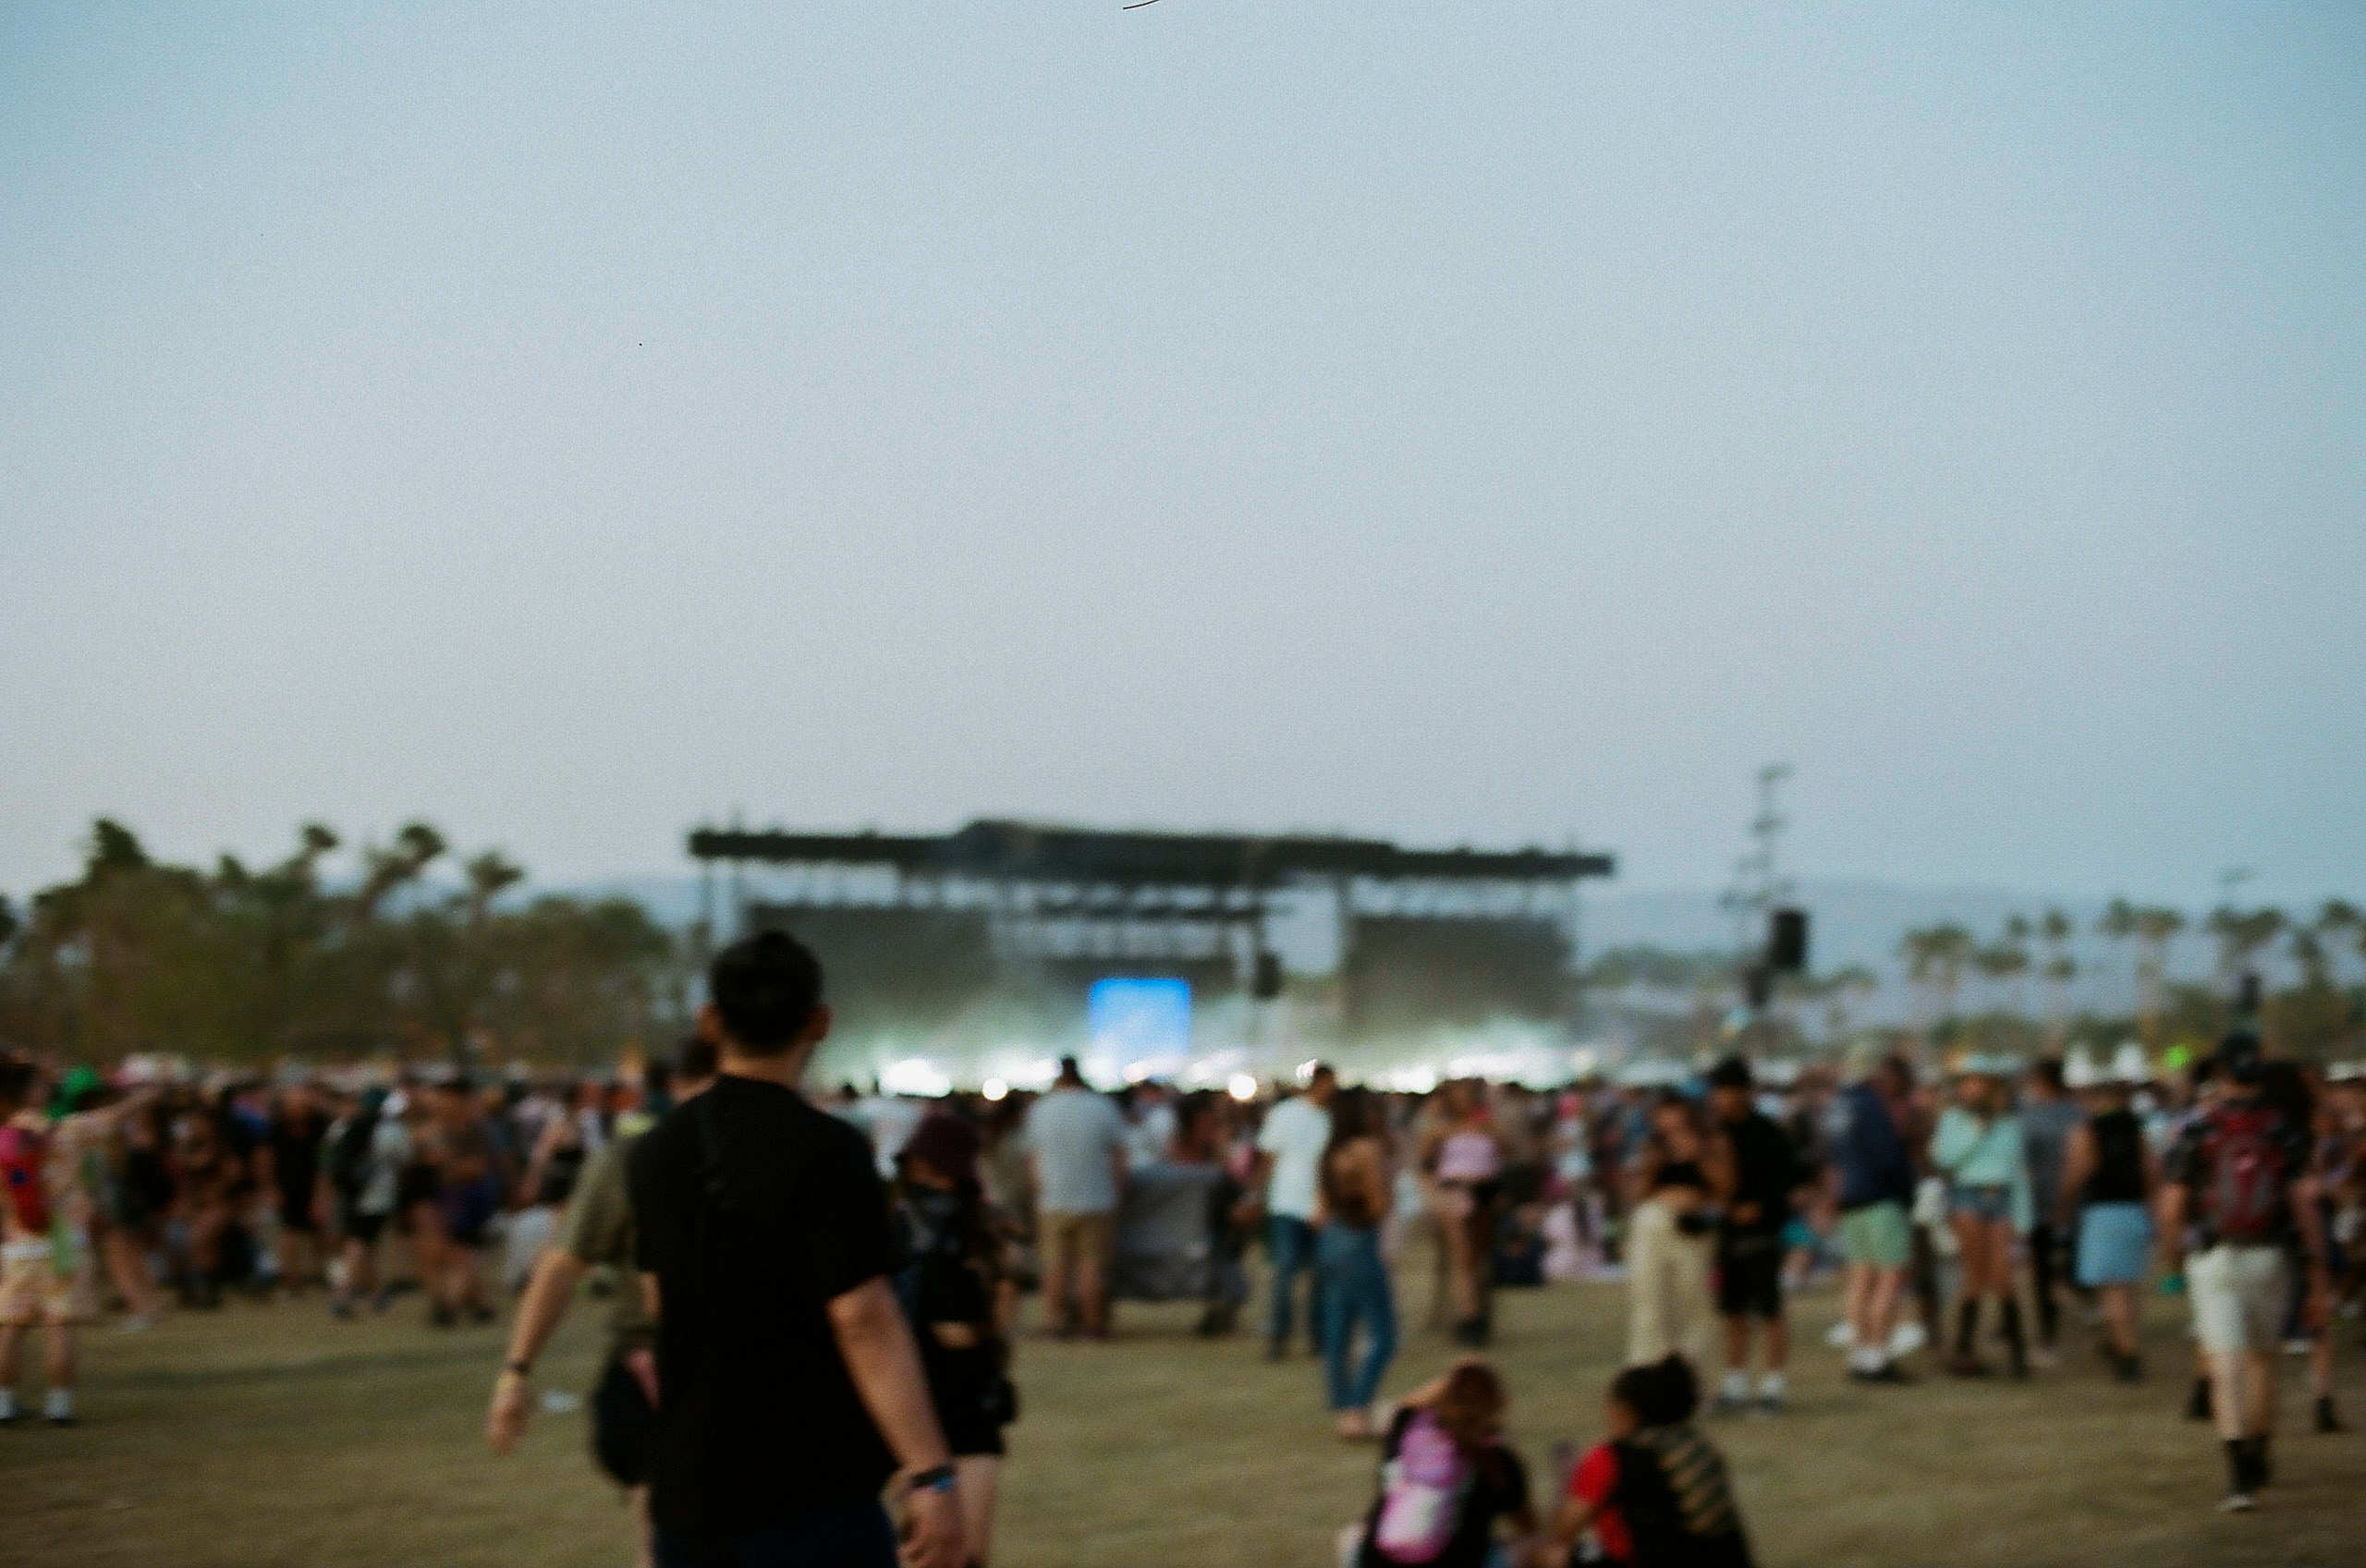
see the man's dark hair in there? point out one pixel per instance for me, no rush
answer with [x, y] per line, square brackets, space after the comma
[1661, 1394]
[1069, 1072]
[2239, 1057]
[765, 987]
[1321, 1071]
[1731, 1073]
[695, 1059]
[1899, 1067]
[2047, 1070]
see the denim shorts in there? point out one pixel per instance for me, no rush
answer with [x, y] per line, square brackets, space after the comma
[1986, 1204]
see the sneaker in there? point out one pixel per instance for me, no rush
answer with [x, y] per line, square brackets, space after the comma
[341, 1309]
[1905, 1339]
[1841, 1335]
[1887, 1372]
[59, 1420]
[1772, 1402]
[2238, 1502]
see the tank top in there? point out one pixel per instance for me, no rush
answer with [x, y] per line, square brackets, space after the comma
[2119, 1159]
[1348, 1201]
[1679, 1174]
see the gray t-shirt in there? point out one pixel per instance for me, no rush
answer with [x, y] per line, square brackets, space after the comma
[1072, 1133]
[2046, 1139]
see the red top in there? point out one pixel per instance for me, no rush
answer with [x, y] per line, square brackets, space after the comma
[1594, 1480]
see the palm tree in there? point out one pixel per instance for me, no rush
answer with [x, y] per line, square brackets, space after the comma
[2006, 960]
[2339, 917]
[1935, 956]
[1838, 991]
[2053, 928]
[2155, 927]
[2241, 933]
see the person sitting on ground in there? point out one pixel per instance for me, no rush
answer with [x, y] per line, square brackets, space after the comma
[1654, 1491]
[1447, 1477]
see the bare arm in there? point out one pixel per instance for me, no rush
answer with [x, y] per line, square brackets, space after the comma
[886, 1366]
[2172, 1208]
[2078, 1165]
[556, 1274]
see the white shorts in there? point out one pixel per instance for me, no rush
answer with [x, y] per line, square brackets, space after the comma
[2238, 1298]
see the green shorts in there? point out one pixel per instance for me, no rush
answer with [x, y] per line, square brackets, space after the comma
[1876, 1235]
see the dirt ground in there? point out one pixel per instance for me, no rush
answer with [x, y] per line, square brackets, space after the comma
[270, 1435]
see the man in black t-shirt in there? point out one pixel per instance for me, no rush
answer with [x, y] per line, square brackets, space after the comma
[788, 1386]
[1761, 1168]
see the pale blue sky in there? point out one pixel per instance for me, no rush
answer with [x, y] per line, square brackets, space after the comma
[1459, 422]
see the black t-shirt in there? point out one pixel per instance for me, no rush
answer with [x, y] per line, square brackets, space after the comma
[1498, 1487]
[1766, 1167]
[754, 1209]
[296, 1152]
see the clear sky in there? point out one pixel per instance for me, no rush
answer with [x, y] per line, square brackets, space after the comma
[1461, 423]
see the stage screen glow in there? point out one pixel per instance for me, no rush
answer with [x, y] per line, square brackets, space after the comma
[1139, 1020]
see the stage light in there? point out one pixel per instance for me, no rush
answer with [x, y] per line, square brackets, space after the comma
[1243, 1087]
[994, 1089]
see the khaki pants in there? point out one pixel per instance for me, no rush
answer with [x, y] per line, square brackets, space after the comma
[1668, 1290]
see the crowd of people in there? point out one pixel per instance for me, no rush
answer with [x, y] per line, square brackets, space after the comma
[769, 1246]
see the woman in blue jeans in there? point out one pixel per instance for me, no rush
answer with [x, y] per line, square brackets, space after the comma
[1352, 1202]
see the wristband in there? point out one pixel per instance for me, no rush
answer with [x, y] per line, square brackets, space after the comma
[935, 1478]
[522, 1369]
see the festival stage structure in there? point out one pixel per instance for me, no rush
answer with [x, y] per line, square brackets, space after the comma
[914, 929]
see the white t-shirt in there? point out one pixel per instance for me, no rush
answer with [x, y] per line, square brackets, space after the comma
[1295, 1134]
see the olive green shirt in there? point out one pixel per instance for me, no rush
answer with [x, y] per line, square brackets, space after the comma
[598, 1230]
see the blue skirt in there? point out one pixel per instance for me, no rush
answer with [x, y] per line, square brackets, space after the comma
[2114, 1241]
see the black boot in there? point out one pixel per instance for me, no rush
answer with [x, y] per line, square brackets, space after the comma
[2013, 1343]
[2262, 1473]
[2198, 1407]
[1963, 1363]
[2328, 1420]
[2239, 1485]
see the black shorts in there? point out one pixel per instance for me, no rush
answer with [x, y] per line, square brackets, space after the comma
[1749, 1276]
[622, 1421]
[364, 1228]
[296, 1213]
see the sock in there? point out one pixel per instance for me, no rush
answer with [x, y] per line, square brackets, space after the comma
[59, 1405]
[1737, 1384]
[2259, 1473]
[2238, 1464]
[1967, 1327]
[1770, 1385]
[7, 1404]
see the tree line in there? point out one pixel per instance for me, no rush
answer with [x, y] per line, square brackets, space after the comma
[240, 964]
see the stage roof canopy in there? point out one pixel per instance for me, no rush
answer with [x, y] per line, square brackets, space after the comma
[1034, 852]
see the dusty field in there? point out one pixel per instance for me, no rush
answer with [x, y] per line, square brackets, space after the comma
[273, 1435]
